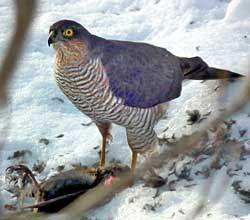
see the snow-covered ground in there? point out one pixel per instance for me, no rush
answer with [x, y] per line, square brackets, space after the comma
[216, 30]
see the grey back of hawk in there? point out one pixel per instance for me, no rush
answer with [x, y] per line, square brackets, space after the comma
[141, 74]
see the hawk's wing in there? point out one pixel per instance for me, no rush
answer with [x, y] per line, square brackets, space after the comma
[141, 74]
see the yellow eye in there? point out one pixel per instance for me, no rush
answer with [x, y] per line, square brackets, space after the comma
[68, 33]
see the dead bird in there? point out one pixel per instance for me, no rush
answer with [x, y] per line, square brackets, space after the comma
[58, 191]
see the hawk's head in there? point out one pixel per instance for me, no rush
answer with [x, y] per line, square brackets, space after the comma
[66, 31]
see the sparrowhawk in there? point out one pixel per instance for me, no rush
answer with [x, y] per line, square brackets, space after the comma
[121, 82]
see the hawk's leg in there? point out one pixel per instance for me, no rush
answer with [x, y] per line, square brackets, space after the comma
[133, 164]
[140, 140]
[104, 128]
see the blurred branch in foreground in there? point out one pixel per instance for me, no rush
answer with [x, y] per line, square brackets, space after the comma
[186, 143]
[98, 195]
[24, 13]
[94, 197]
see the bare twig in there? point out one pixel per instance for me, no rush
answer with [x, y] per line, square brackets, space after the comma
[186, 143]
[92, 198]
[25, 10]
[96, 196]
[183, 146]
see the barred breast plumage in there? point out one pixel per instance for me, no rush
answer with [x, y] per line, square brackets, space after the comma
[87, 86]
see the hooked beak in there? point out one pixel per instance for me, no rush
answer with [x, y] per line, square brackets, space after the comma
[49, 41]
[51, 37]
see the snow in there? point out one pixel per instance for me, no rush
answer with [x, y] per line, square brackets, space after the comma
[216, 30]
[238, 11]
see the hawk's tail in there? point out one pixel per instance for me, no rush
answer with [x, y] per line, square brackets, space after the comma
[195, 68]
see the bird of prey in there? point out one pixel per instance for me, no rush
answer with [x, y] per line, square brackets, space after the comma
[121, 82]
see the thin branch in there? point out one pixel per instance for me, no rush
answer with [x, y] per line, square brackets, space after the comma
[94, 197]
[90, 200]
[25, 10]
[186, 143]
